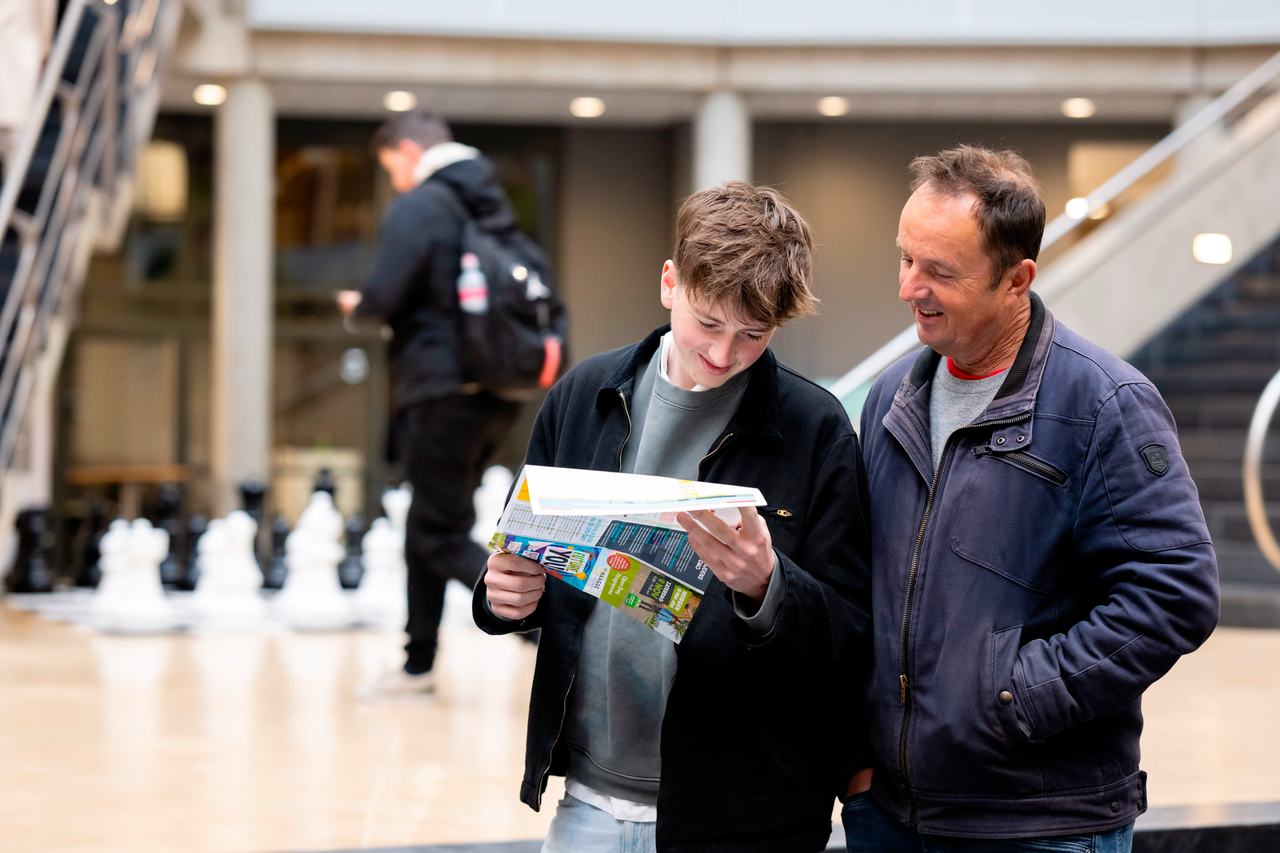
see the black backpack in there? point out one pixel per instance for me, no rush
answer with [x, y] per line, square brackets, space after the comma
[516, 346]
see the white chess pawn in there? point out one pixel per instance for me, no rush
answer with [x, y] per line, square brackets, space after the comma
[312, 598]
[136, 603]
[113, 589]
[396, 504]
[490, 500]
[382, 599]
[227, 596]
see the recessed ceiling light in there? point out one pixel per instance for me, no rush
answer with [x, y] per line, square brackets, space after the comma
[399, 102]
[1211, 248]
[1079, 107]
[209, 94]
[587, 107]
[833, 105]
[1078, 208]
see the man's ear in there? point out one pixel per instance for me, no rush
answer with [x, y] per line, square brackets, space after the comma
[1020, 278]
[667, 285]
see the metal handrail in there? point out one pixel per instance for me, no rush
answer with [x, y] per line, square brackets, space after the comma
[1244, 90]
[105, 115]
[1252, 472]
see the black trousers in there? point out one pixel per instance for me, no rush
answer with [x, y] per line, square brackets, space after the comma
[446, 445]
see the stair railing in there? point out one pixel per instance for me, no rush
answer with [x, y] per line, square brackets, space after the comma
[1254, 448]
[92, 113]
[1232, 102]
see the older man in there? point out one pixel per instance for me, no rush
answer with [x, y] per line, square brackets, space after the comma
[1040, 556]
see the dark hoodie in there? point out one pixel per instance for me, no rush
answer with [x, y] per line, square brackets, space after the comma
[414, 282]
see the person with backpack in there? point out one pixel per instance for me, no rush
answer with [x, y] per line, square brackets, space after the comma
[475, 326]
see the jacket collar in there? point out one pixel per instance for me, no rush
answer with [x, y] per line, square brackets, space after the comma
[758, 414]
[908, 417]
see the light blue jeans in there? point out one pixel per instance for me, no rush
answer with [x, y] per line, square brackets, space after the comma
[868, 828]
[581, 828]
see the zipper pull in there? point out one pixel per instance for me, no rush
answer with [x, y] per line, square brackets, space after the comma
[982, 450]
[902, 692]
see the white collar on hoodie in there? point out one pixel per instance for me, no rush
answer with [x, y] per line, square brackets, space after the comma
[437, 157]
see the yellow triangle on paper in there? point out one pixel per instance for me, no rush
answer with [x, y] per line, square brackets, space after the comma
[523, 495]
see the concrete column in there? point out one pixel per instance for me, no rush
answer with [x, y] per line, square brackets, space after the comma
[243, 289]
[1195, 151]
[721, 141]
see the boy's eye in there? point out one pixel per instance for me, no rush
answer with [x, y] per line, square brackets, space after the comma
[708, 326]
[752, 336]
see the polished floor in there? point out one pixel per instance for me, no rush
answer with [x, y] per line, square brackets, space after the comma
[253, 744]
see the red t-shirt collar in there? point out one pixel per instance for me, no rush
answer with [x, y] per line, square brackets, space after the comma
[958, 374]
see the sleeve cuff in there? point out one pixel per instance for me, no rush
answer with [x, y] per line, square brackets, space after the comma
[488, 608]
[761, 618]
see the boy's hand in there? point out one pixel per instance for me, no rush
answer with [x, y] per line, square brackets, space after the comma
[742, 558]
[514, 585]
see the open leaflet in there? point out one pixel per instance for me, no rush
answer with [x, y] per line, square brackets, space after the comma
[615, 537]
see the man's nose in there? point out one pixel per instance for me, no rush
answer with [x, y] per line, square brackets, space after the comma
[910, 287]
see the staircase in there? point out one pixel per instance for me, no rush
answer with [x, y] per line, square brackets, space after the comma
[68, 191]
[1211, 365]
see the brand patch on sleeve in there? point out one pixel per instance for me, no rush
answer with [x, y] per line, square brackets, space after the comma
[1156, 459]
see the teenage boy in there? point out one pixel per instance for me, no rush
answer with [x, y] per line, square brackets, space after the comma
[738, 738]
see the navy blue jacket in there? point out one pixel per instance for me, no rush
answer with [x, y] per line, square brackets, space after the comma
[1026, 594]
[759, 734]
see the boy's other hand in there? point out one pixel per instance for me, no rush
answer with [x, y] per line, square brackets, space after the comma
[348, 300]
[742, 558]
[514, 585]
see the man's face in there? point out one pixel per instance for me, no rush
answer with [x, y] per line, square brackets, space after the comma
[711, 343]
[945, 276]
[400, 162]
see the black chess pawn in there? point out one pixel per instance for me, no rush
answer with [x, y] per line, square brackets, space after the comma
[326, 483]
[277, 571]
[196, 526]
[31, 571]
[351, 569]
[90, 555]
[168, 512]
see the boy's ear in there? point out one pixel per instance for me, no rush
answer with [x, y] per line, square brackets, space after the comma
[667, 286]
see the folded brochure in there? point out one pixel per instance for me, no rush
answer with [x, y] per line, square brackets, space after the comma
[615, 537]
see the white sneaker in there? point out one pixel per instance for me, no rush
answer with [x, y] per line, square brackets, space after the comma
[399, 686]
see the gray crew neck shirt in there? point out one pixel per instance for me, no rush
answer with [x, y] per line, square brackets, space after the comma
[614, 723]
[956, 403]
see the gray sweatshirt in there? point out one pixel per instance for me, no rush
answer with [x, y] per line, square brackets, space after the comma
[625, 671]
[956, 403]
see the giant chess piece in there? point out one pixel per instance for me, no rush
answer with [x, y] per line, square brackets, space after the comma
[227, 595]
[490, 500]
[325, 482]
[90, 571]
[31, 572]
[352, 568]
[196, 526]
[277, 571]
[168, 512]
[381, 601]
[130, 598]
[253, 500]
[312, 598]
[395, 502]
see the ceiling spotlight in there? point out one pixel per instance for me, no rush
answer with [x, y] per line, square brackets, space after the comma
[1211, 248]
[399, 102]
[209, 94]
[1079, 107]
[833, 105]
[1078, 208]
[587, 107]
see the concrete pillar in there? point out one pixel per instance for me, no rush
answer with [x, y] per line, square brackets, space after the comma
[721, 141]
[1195, 151]
[243, 289]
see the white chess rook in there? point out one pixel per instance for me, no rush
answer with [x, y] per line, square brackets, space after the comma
[130, 598]
[312, 598]
[226, 596]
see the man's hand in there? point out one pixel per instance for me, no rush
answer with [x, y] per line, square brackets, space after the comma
[514, 585]
[742, 558]
[348, 300]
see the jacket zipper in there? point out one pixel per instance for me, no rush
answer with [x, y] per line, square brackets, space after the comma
[564, 712]
[626, 411]
[904, 685]
[713, 452]
[1025, 460]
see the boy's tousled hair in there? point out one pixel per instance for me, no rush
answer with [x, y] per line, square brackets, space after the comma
[420, 126]
[1010, 209]
[747, 247]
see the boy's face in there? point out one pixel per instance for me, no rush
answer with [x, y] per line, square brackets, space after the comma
[400, 163]
[712, 343]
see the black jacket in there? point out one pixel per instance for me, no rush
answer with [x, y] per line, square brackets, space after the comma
[1028, 592]
[759, 734]
[413, 286]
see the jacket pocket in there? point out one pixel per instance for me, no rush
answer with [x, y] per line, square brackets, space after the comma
[1001, 693]
[1015, 518]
